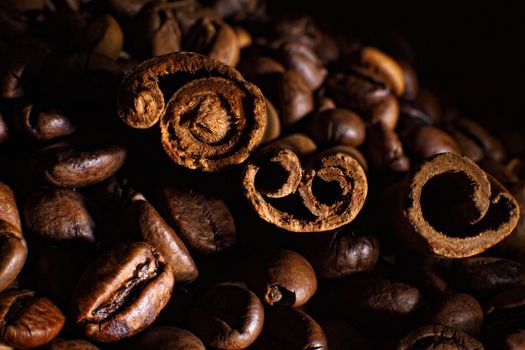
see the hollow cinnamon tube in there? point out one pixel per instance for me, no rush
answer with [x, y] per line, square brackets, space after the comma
[210, 117]
[450, 207]
[326, 192]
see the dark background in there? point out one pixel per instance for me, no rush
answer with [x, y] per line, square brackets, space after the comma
[473, 57]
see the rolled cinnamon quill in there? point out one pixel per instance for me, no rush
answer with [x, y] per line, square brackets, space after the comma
[450, 207]
[210, 117]
[320, 194]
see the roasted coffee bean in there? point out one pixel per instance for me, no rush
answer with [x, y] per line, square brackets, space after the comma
[166, 338]
[72, 166]
[104, 36]
[122, 292]
[384, 65]
[13, 248]
[3, 130]
[410, 79]
[203, 222]
[59, 215]
[154, 230]
[483, 276]
[458, 311]
[385, 150]
[505, 311]
[290, 329]
[69, 344]
[282, 278]
[128, 7]
[491, 146]
[42, 124]
[243, 37]
[426, 141]
[342, 253]
[295, 97]
[437, 337]
[28, 321]
[509, 340]
[300, 57]
[339, 126]
[228, 316]
[386, 112]
[216, 39]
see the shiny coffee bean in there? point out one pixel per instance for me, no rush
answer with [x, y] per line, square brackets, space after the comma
[438, 337]
[385, 150]
[505, 311]
[342, 253]
[337, 126]
[384, 65]
[74, 166]
[42, 124]
[295, 97]
[154, 230]
[28, 321]
[386, 112]
[227, 317]
[458, 311]
[282, 278]
[167, 338]
[290, 329]
[69, 344]
[122, 292]
[203, 222]
[59, 215]
[426, 141]
[491, 146]
[483, 276]
[215, 39]
[301, 57]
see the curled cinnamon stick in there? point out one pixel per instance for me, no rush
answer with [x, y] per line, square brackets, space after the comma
[210, 117]
[449, 206]
[326, 192]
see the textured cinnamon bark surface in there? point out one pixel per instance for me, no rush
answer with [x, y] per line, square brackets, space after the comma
[210, 117]
[324, 193]
[450, 207]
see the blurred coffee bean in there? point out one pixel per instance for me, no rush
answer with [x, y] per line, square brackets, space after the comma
[300, 57]
[384, 149]
[384, 65]
[165, 338]
[295, 97]
[339, 126]
[104, 36]
[69, 344]
[410, 79]
[426, 141]
[437, 337]
[386, 112]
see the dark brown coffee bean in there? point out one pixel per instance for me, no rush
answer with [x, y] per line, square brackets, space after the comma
[13, 248]
[301, 57]
[69, 344]
[339, 126]
[74, 166]
[104, 36]
[430, 104]
[282, 278]
[341, 336]
[384, 65]
[295, 96]
[342, 253]
[122, 292]
[155, 231]
[426, 141]
[3, 129]
[13, 23]
[386, 112]
[128, 8]
[359, 90]
[509, 340]
[384, 149]
[157, 31]
[505, 311]
[458, 311]
[483, 276]
[438, 337]
[228, 317]
[256, 66]
[59, 215]
[466, 144]
[411, 80]
[273, 123]
[216, 39]
[203, 222]
[491, 146]
[28, 321]
[166, 338]
[42, 124]
[290, 329]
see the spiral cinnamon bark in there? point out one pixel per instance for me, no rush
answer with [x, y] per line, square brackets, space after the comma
[450, 207]
[326, 193]
[211, 117]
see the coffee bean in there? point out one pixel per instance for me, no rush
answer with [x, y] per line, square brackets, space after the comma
[437, 337]
[227, 317]
[282, 278]
[386, 112]
[203, 222]
[426, 141]
[385, 150]
[103, 35]
[27, 320]
[42, 124]
[295, 96]
[59, 215]
[168, 338]
[384, 65]
[69, 344]
[71, 166]
[300, 57]
[292, 329]
[343, 253]
[122, 292]
[339, 126]
[341, 336]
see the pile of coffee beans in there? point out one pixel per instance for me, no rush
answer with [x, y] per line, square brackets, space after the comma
[183, 174]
